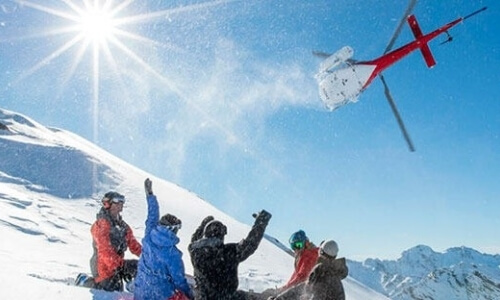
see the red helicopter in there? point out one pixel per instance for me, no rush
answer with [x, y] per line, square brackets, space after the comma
[341, 80]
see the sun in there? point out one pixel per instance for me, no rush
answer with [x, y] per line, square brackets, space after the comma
[97, 25]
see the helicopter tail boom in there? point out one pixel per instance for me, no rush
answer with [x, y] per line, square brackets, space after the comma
[424, 48]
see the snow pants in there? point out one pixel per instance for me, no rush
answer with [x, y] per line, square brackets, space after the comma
[115, 283]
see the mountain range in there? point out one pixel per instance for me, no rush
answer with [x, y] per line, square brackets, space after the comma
[459, 273]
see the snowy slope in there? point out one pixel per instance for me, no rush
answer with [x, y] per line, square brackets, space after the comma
[50, 184]
[459, 273]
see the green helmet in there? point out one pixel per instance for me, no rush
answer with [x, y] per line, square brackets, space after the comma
[298, 240]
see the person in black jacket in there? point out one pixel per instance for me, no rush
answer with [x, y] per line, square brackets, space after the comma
[216, 264]
[325, 280]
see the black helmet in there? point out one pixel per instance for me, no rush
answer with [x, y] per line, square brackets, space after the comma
[112, 197]
[215, 229]
[171, 222]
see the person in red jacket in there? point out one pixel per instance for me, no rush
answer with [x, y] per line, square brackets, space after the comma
[306, 256]
[112, 236]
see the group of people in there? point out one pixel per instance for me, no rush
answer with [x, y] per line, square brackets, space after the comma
[318, 272]
[159, 273]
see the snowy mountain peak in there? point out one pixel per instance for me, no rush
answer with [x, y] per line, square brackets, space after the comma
[420, 259]
[22, 126]
[465, 254]
[35, 156]
[419, 250]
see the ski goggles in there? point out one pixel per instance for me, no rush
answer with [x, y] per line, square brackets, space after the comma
[175, 228]
[117, 199]
[297, 245]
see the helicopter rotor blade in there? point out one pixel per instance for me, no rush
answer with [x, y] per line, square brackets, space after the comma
[400, 25]
[396, 114]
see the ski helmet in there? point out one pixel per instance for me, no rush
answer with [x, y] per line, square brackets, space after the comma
[112, 197]
[216, 229]
[298, 240]
[329, 248]
[171, 222]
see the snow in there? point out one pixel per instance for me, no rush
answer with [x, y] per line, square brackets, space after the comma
[50, 183]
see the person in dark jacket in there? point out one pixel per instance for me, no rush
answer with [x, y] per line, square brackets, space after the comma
[161, 269]
[324, 281]
[112, 237]
[216, 264]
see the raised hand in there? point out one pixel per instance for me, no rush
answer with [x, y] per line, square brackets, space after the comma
[148, 187]
[262, 217]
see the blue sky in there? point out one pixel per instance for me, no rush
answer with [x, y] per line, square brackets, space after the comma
[220, 98]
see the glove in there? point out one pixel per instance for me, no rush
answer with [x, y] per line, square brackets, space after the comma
[148, 187]
[262, 217]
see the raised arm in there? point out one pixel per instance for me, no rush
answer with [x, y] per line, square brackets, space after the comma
[198, 234]
[153, 207]
[247, 246]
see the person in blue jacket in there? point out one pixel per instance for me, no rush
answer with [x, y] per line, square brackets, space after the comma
[160, 272]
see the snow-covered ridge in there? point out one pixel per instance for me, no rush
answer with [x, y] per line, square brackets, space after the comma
[50, 183]
[422, 273]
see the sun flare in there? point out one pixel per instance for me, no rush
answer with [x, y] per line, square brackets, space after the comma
[97, 25]
[108, 31]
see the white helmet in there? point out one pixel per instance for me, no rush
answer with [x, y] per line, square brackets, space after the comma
[329, 248]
